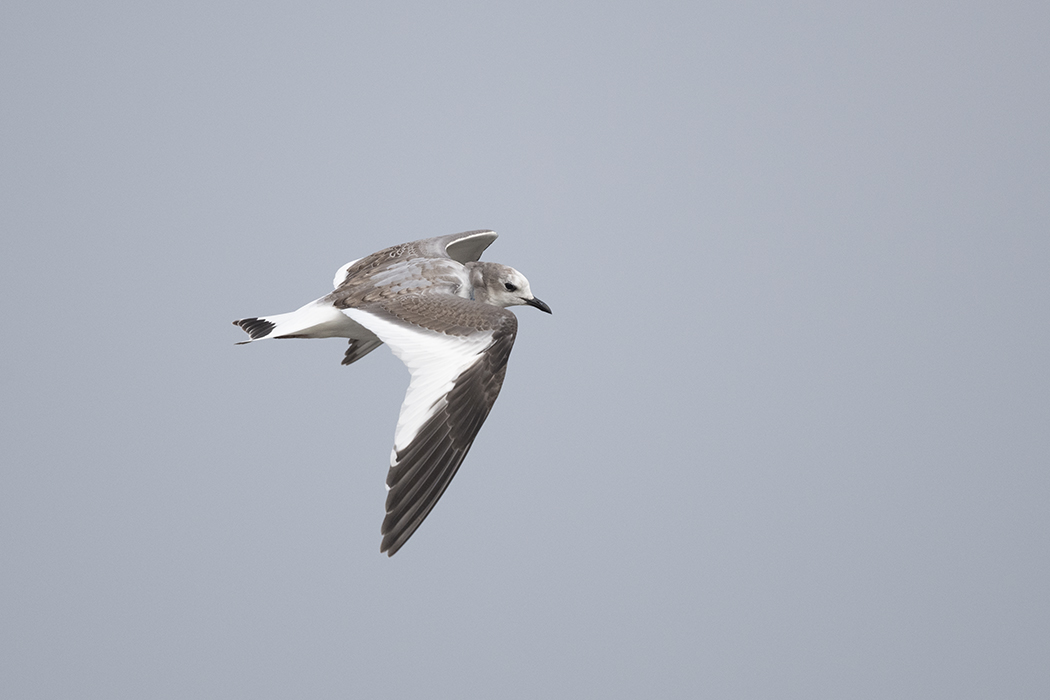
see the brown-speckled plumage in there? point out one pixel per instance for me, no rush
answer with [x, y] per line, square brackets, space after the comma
[442, 312]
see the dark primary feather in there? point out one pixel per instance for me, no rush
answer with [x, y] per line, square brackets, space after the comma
[358, 349]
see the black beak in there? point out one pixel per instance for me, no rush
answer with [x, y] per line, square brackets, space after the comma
[538, 304]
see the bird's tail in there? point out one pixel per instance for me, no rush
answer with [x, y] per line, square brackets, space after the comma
[311, 321]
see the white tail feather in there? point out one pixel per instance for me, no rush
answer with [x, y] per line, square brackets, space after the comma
[315, 320]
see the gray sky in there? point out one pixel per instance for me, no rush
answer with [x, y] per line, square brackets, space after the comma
[785, 434]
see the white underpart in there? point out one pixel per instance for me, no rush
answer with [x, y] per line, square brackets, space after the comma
[318, 319]
[340, 274]
[433, 359]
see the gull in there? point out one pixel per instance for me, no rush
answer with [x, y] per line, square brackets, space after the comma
[443, 313]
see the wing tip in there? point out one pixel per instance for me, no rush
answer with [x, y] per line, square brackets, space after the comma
[391, 545]
[467, 246]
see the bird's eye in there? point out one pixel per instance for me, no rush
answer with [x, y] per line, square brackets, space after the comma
[510, 287]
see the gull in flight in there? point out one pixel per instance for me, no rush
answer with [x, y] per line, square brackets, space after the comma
[443, 314]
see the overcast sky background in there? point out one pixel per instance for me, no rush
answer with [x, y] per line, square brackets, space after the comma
[785, 435]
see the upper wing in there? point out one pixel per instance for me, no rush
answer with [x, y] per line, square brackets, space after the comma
[467, 246]
[399, 259]
[457, 367]
[340, 274]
